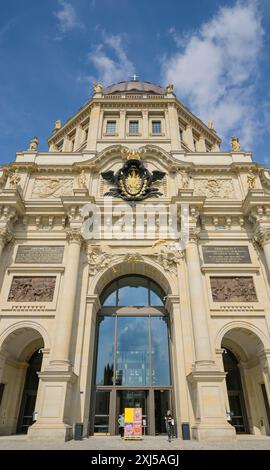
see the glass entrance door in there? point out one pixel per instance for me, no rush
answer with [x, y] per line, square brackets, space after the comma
[132, 399]
[162, 405]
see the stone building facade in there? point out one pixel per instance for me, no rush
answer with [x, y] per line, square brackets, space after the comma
[89, 325]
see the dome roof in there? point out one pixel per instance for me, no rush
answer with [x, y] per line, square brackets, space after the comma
[134, 86]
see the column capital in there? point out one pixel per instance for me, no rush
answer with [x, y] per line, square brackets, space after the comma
[74, 236]
[194, 235]
[262, 234]
[5, 235]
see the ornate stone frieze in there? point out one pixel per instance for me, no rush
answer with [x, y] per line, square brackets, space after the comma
[32, 289]
[97, 259]
[214, 188]
[233, 289]
[169, 257]
[28, 308]
[166, 254]
[235, 308]
[52, 188]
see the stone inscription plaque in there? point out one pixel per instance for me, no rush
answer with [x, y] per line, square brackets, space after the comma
[32, 289]
[39, 254]
[226, 254]
[233, 289]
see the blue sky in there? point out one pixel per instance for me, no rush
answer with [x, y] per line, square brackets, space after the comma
[215, 52]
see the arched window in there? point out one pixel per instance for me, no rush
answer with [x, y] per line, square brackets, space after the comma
[133, 291]
[133, 346]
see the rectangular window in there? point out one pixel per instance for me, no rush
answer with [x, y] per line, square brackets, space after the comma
[156, 127]
[133, 127]
[111, 127]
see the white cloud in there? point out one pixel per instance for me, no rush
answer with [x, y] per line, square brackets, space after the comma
[215, 72]
[110, 60]
[67, 17]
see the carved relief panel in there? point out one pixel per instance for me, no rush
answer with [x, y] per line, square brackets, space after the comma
[233, 289]
[32, 289]
[53, 188]
[221, 188]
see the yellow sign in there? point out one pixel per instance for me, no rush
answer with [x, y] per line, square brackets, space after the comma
[133, 423]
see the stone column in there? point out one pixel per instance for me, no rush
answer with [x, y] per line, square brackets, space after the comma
[2, 365]
[78, 138]
[262, 236]
[93, 128]
[203, 351]
[55, 393]
[174, 127]
[206, 378]
[264, 357]
[60, 351]
[122, 124]
[145, 124]
[179, 360]
[201, 144]
[188, 138]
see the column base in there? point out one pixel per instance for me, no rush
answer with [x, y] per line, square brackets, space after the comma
[209, 403]
[213, 433]
[62, 432]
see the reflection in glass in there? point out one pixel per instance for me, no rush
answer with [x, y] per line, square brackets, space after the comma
[160, 351]
[135, 291]
[101, 423]
[109, 298]
[156, 295]
[105, 356]
[132, 355]
[132, 291]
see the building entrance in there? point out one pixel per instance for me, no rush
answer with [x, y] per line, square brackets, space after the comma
[26, 417]
[132, 399]
[133, 366]
[235, 393]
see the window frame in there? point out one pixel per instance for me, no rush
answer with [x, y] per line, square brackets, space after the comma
[109, 122]
[132, 121]
[153, 122]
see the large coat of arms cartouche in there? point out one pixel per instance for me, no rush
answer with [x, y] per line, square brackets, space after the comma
[133, 182]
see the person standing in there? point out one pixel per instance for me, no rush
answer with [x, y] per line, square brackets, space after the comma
[169, 423]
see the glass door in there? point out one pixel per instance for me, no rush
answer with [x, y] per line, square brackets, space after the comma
[131, 399]
[162, 405]
[102, 412]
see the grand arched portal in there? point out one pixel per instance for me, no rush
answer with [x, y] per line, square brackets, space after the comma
[132, 355]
